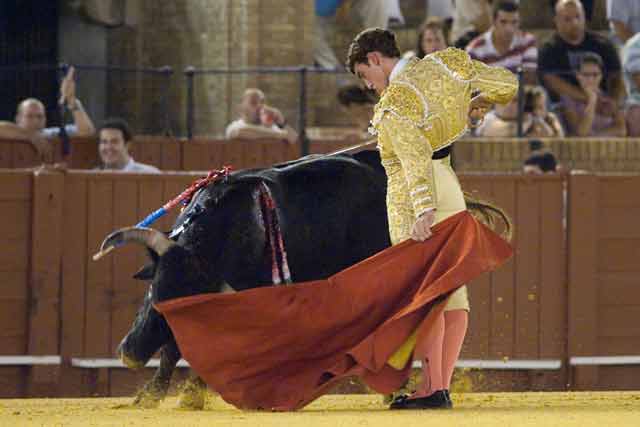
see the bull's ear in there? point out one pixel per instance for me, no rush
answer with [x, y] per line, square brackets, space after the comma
[146, 273]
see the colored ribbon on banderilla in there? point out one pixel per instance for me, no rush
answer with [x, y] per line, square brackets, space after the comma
[183, 198]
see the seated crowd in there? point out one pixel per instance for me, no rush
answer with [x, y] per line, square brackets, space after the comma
[577, 83]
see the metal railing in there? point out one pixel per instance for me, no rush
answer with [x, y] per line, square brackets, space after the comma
[84, 74]
[301, 71]
[186, 84]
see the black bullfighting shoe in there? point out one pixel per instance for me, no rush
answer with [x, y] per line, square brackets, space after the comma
[446, 392]
[437, 400]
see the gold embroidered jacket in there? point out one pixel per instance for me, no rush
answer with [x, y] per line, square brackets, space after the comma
[425, 108]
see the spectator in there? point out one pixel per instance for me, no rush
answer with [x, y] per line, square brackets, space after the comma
[504, 44]
[258, 120]
[599, 115]
[559, 57]
[540, 160]
[537, 121]
[369, 13]
[113, 147]
[631, 67]
[31, 119]
[358, 104]
[431, 38]
[502, 121]
[470, 19]
[624, 18]
[587, 4]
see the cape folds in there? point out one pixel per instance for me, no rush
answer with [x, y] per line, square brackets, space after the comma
[279, 348]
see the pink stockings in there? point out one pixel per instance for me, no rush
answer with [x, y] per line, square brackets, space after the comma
[440, 351]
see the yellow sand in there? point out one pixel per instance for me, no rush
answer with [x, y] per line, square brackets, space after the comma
[471, 409]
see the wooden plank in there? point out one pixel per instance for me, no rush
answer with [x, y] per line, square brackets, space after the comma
[14, 302]
[233, 154]
[619, 222]
[148, 151]
[619, 255]
[252, 153]
[124, 263]
[14, 255]
[216, 155]
[195, 155]
[619, 288]
[502, 342]
[45, 261]
[583, 285]
[620, 321]
[17, 214]
[44, 278]
[618, 346]
[24, 155]
[615, 191]
[76, 254]
[171, 155]
[477, 342]
[619, 378]
[527, 330]
[6, 155]
[15, 185]
[84, 153]
[98, 274]
[553, 271]
[12, 381]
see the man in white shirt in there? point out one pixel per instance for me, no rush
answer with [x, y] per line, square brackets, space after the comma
[505, 45]
[113, 148]
[258, 120]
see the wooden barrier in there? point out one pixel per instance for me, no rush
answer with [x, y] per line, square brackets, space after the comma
[470, 155]
[519, 312]
[604, 291]
[553, 300]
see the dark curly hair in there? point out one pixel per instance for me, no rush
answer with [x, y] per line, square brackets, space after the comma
[371, 40]
[119, 124]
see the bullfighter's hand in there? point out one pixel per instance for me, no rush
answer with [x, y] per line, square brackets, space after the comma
[477, 110]
[422, 228]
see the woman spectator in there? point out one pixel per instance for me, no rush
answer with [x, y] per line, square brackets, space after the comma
[431, 37]
[600, 115]
[537, 121]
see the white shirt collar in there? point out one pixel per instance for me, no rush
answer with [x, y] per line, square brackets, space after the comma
[130, 164]
[398, 68]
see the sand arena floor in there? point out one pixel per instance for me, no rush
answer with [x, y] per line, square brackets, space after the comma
[471, 409]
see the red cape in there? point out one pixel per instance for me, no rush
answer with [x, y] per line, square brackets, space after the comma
[280, 348]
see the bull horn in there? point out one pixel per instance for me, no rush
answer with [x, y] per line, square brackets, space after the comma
[152, 239]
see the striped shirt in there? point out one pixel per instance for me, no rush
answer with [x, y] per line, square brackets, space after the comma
[523, 51]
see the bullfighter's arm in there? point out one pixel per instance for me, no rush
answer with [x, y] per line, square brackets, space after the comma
[496, 85]
[414, 153]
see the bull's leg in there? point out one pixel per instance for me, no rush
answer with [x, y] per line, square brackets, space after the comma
[194, 394]
[156, 389]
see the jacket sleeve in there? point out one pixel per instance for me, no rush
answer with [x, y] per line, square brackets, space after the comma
[414, 153]
[496, 84]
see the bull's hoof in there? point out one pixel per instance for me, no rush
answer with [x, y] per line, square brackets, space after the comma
[147, 401]
[148, 398]
[193, 395]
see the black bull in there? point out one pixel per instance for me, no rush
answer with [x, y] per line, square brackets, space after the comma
[332, 214]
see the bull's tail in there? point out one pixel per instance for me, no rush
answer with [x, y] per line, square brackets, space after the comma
[490, 214]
